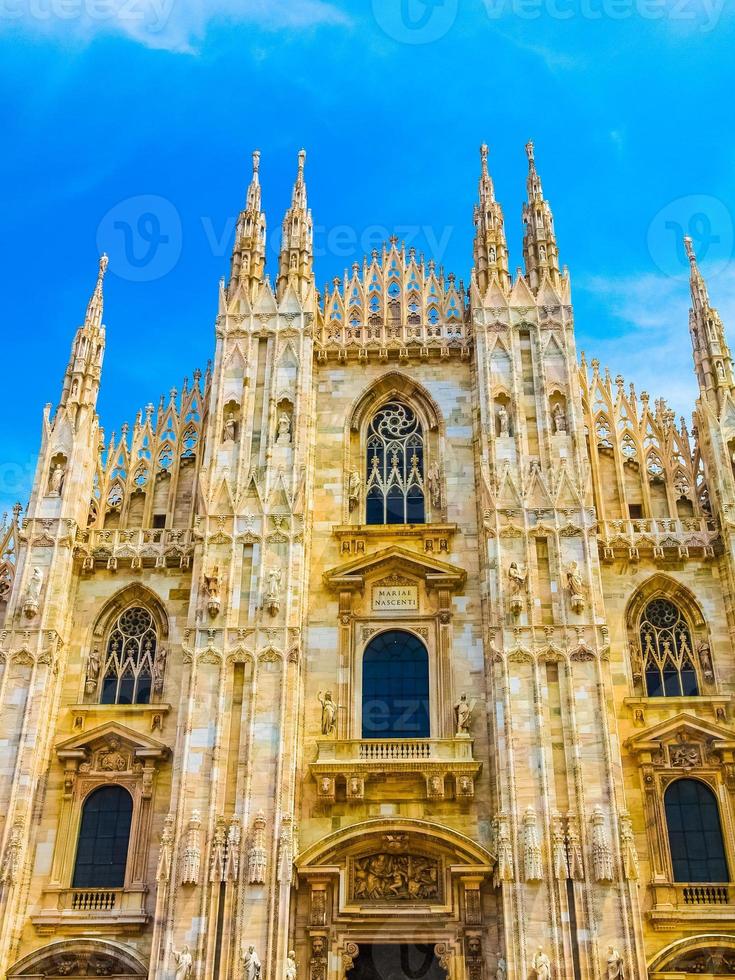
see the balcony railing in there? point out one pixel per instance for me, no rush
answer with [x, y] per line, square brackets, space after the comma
[664, 537]
[109, 909]
[94, 900]
[353, 762]
[704, 894]
[135, 547]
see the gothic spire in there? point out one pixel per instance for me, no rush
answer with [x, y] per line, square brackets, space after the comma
[540, 252]
[490, 249]
[82, 377]
[712, 359]
[248, 254]
[295, 261]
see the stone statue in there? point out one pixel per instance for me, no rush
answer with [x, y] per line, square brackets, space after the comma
[560, 418]
[501, 971]
[274, 583]
[251, 961]
[353, 489]
[615, 966]
[329, 713]
[93, 671]
[35, 584]
[284, 430]
[290, 971]
[211, 587]
[576, 587]
[516, 579]
[463, 715]
[159, 667]
[56, 480]
[433, 484]
[230, 429]
[184, 962]
[705, 659]
[504, 421]
[541, 965]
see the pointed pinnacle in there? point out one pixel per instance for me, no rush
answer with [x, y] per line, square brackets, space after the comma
[484, 150]
[256, 163]
[688, 245]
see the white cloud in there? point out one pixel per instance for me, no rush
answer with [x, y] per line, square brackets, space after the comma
[652, 348]
[173, 25]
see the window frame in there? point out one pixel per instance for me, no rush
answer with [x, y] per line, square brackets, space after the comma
[97, 791]
[418, 641]
[709, 791]
[405, 469]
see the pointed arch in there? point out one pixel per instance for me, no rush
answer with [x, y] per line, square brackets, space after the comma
[394, 385]
[667, 636]
[131, 595]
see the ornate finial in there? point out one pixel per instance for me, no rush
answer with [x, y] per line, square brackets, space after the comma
[256, 163]
[302, 160]
[483, 157]
[104, 260]
[690, 249]
[529, 152]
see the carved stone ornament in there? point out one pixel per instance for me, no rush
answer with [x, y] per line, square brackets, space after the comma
[32, 596]
[388, 877]
[504, 848]
[532, 867]
[602, 862]
[163, 869]
[257, 852]
[628, 848]
[192, 862]
[575, 587]
[212, 590]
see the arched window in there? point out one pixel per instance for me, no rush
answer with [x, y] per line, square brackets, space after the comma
[127, 674]
[395, 687]
[666, 649]
[695, 834]
[104, 835]
[395, 467]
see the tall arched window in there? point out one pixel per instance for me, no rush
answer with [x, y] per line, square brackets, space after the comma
[666, 649]
[104, 836]
[127, 673]
[695, 835]
[395, 687]
[395, 467]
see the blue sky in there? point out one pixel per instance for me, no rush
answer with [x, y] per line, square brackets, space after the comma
[117, 109]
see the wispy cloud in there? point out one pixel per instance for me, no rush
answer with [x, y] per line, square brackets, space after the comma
[173, 25]
[652, 346]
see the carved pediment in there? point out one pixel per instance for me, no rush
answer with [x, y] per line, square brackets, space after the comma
[111, 748]
[395, 560]
[681, 741]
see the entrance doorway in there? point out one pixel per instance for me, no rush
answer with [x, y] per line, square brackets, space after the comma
[396, 961]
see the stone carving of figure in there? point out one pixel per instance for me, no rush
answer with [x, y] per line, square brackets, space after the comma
[329, 713]
[274, 583]
[211, 587]
[35, 584]
[230, 429]
[289, 972]
[353, 489]
[56, 480]
[705, 659]
[93, 671]
[615, 966]
[434, 485]
[574, 579]
[685, 756]
[463, 715]
[504, 421]
[560, 418]
[284, 430]
[501, 971]
[516, 579]
[251, 960]
[541, 965]
[159, 666]
[113, 760]
[184, 962]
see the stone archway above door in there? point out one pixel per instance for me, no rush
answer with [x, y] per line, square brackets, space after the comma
[80, 958]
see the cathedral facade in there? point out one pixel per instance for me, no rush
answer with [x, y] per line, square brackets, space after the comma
[398, 644]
